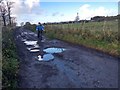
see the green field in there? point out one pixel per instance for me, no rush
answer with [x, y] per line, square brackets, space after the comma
[99, 35]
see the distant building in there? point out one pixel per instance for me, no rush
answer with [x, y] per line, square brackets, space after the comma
[77, 17]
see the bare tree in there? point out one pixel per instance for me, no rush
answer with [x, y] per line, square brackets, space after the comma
[9, 6]
[3, 12]
[1, 1]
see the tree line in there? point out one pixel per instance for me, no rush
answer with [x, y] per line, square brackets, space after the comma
[93, 19]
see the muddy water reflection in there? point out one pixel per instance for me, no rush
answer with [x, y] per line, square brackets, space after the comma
[44, 54]
[54, 50]
[30, 42]
[32, 46]
[34, 50]
[49, 51]
[45, 57]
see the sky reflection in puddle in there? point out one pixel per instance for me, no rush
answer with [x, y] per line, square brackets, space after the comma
[34, 47]
[46, 57]
[23, 40]
[54, 50]
[30, 42]
[34, 50]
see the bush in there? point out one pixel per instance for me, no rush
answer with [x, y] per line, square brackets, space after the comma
[29, 26]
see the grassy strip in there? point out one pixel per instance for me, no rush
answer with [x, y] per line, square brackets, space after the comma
[9, 59]
[99, 35]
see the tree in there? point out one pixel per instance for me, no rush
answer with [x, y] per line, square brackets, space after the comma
[1, 1]
[3, 12]
[9, 6]
[27, 25]
[77, 18]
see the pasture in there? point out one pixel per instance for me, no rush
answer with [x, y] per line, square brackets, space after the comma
[99, 35]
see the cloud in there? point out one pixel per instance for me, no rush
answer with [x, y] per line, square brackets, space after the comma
[26, 10]
[86, 11]
[32, 3]
[26, 6]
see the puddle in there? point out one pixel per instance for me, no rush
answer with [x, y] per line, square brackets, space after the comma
[23, 40]
[31, 33]
[36, 46]
[35, 35]
[54, 50]
[30, 42]
[46, 57]
[34, 50]
[18, 36]
[25, 33]
[32, 46]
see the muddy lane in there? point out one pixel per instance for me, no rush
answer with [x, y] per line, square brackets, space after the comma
[57, 64]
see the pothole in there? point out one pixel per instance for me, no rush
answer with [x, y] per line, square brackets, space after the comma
[54, 50]
[34, 50]
[45, 57]
[23, 40]
[30, 42]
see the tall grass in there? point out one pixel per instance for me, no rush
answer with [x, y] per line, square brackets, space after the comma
[9, 59]
[99, 35]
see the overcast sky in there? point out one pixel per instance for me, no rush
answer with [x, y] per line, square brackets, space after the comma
[35, 11]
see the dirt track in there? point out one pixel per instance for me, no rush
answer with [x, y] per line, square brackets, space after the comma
[76, 67]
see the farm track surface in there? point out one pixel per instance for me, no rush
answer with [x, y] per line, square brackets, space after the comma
[75, 67]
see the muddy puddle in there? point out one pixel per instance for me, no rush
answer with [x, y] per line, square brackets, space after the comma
[30, 42]
[54, 50]
[45, 57]
[23, 40]
[33, 47]
[49, 54]
[34, 50]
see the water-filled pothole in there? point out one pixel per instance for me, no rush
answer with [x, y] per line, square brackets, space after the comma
[32, 46]
[23, 40]
[34, 50]
[54, 50]
[45, 57]
[30, 42]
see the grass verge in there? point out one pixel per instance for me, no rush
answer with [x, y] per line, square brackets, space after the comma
[9, 59]
[102, 36]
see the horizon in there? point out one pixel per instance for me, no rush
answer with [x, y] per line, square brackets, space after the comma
[72, 21]
[35, 11]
